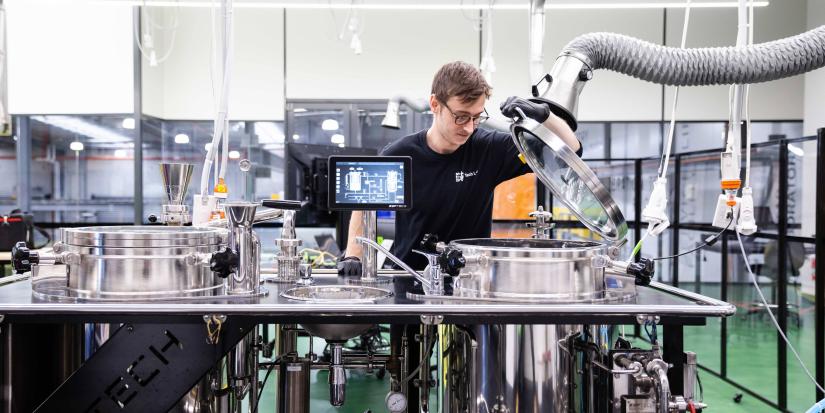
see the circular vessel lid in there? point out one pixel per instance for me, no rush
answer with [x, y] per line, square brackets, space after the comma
[526, 243]
[569, 178]
[143, 236]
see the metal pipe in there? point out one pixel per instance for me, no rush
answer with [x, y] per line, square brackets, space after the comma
[658, 368]
[689, 372]
[394, 259]
[370, 256]
[536, 63]
[337, 375]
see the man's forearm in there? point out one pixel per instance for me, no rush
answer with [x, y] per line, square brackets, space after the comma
[558, 126]
[356, 229]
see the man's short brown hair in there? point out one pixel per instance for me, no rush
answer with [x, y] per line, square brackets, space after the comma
[462, 80]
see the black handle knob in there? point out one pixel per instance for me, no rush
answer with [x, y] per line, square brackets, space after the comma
[152, 218]
[642, 270]
[428, 243]
[451, 261]
[282, 204]
[22, 258]
[224, 263]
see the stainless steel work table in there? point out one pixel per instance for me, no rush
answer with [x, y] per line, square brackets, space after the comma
[672, 305]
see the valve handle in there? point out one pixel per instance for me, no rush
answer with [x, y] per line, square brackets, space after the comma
[451, 261]
[283, 204]
[642, 270]
[224, 263]
[22, 258]
[428, 243]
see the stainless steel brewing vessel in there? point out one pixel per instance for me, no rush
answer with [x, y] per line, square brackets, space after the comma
[140, 261]
[530, 269]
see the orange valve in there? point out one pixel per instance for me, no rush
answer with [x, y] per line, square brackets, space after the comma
[731, 184]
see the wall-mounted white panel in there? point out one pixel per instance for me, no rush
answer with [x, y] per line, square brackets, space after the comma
[70, 57]
[181, 86]
[781, 99]
[402, 50]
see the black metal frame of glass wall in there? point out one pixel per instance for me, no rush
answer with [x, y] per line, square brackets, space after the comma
[781, 237]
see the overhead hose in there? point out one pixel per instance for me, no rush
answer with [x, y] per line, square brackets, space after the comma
[676, 66]
[702, 66]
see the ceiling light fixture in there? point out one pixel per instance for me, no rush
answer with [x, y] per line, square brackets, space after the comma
[128, 123]
[337, 138]
[234, 155]
[430, 6]
[329, 124]
[182, 138]
[76, 146]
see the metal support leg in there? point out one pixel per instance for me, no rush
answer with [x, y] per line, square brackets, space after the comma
[674, 354]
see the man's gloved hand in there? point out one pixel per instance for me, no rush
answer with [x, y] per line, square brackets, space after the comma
[349, 266]
[539, 112]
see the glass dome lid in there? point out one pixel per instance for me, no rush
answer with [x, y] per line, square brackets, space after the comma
[569, 178]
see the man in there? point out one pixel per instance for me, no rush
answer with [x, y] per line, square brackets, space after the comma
[455, 165]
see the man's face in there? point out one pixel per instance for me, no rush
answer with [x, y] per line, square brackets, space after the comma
[444, 120]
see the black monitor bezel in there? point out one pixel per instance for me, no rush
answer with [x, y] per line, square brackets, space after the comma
[337, 206]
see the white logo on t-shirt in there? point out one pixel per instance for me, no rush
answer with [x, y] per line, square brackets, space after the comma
[460, 175]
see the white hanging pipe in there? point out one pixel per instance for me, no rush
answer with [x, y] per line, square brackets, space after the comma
[738, 96]
[228, 48]
[536, 64]
[220, 124]
[747, 106]
[666, 158]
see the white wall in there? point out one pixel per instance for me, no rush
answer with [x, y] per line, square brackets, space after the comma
[401, 53]
[181, 87]
[606, 97]
[69, 58]
[781, 99]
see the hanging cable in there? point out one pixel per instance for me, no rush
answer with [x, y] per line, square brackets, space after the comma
[770, 313]
[708, 242]
[144, 38]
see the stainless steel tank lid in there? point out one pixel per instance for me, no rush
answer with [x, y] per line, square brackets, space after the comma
[569, 178]
[142, 236]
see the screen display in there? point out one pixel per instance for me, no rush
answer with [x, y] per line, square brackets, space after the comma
[369, 183]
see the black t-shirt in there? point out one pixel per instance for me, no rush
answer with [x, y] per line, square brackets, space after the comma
[452, 194]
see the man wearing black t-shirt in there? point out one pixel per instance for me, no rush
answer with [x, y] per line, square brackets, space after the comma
[455, 166]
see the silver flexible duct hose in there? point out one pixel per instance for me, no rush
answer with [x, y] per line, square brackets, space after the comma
[675, 66]
[703, 66]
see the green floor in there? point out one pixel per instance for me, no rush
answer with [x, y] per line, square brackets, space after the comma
[751, 350]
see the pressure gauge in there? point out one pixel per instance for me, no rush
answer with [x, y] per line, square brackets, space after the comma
[396, 402]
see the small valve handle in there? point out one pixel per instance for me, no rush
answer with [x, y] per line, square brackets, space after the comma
[224, 263]
[451, 261]
[642, 270]
[429, 243]
[22, 258]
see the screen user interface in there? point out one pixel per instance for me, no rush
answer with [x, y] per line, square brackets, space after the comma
[358, 182]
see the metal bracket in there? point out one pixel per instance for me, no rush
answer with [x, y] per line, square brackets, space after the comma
[432, 320]
[642, 319]
[214, 323]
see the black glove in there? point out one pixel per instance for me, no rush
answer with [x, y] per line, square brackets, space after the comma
[539, 112]
[349, 266]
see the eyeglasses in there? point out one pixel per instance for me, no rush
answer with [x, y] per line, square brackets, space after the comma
[463, 119]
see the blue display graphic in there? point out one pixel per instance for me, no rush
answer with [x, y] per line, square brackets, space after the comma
[369, 183]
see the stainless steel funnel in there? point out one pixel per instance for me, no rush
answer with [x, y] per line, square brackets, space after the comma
[176, 178]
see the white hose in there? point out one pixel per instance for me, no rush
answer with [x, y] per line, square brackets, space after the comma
[671, 131]
[770, 313]
[220, 124]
